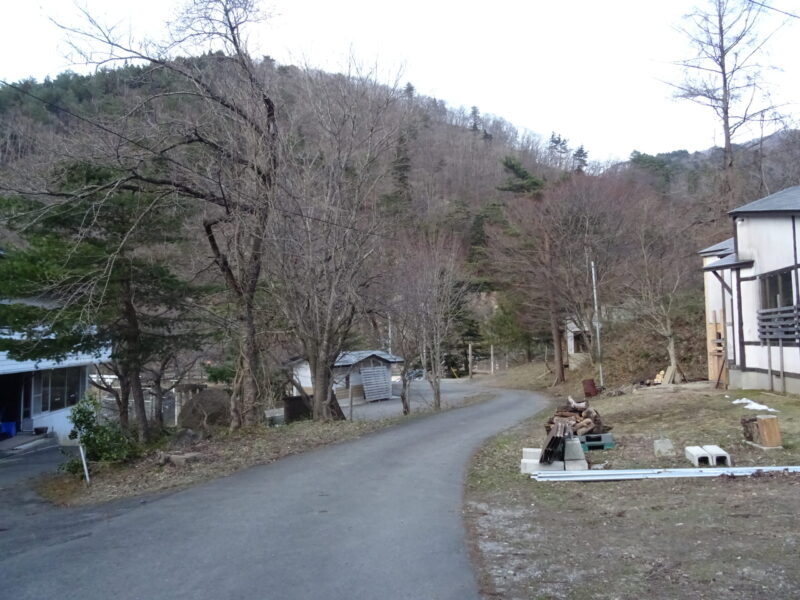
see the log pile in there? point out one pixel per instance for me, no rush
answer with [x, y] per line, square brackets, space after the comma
[581, 418]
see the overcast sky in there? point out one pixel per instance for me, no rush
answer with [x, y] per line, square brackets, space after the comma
[593, 71]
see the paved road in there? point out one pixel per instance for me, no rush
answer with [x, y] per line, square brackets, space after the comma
[375, 518]
[454, 391]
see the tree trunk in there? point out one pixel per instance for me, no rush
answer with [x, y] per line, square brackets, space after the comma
[434, 378]
[325, 405]
[671, 351]
[405, 389]
[139, 406]
[158, 405]
[132, 358]
[555, 333]
[123, 400]
[552, 306]
[251, 398]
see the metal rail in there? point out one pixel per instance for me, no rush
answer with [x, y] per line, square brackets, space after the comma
[623, 474]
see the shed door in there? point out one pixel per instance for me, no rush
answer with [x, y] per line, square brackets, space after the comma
[377, 383]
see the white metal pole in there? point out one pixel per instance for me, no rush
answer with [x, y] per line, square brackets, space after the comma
[83, 460]
[597, 325]
[491, 351]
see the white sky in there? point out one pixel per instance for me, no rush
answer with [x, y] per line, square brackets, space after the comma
[589, 70]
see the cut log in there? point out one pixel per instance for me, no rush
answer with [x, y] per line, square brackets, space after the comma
[568, 415]
[576, 405]
[768, 431]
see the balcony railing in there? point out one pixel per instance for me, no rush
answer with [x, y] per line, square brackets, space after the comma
[779, 324]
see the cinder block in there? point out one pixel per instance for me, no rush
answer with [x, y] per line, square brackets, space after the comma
[573, 450]
[719, 458]
[556, 465]
[532, 453]
[532, 466]
[663, 447]
[576, 465]
[697, 456]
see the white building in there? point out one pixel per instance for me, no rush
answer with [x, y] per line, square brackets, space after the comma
[38, 395]
[752, 292]
[358, 375]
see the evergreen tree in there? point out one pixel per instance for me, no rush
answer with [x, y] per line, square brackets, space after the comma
[90, 279]
[580, 158]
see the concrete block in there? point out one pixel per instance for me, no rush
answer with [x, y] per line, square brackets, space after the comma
[532, 453]
[663, 447]
[719, 458]
[573, 449]
[556, 465]
[697, 456]
[576, 465]
[533, 466]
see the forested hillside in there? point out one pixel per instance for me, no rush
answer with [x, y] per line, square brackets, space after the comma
[182, 204]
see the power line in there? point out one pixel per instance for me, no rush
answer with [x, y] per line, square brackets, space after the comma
[768, 7]
[146, 148]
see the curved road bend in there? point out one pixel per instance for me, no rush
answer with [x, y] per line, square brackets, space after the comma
[375, 518]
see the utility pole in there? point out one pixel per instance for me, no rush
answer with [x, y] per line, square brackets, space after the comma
[491, 350]
[597, 324]
[469, 359]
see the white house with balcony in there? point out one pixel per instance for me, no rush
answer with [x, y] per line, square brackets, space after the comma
[752, 293]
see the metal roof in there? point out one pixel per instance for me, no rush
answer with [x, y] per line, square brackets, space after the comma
[787, 200]
[350, 358]
[732, 261]
[720, 249]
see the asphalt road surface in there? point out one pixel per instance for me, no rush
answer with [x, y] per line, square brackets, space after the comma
[375, 518]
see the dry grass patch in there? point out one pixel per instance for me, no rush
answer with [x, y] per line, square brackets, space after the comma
[220, 455]
[662, 539]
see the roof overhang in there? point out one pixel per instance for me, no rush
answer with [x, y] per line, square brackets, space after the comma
[732, 261]
[721, 249]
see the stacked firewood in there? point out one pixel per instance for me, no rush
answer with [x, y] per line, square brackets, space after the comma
[581, 418]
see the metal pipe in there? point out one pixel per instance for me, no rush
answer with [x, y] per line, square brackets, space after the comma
[83, 460]
[597, 325]
[623, 474]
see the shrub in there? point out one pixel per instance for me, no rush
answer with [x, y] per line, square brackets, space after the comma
[102, 441]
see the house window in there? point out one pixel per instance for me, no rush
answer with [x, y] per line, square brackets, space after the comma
[57, 389]
[776, 290]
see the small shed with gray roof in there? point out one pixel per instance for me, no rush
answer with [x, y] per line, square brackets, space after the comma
[357, 375]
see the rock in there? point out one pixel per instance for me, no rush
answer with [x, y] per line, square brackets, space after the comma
[663, 447]
[186, 437]
[184, 458]
[211, 406]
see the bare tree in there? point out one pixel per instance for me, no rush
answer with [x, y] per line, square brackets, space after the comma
[326, 235]
[659, 271]
[437, 287]
[725, 74]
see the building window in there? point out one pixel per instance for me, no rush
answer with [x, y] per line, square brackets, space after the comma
[776, 290]
[57, 388]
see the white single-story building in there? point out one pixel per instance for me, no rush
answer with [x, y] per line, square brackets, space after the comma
[579, 352]
[357, 375]
[38, 394]
[752, 293]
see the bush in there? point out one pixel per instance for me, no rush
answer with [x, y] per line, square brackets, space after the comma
[102, 441]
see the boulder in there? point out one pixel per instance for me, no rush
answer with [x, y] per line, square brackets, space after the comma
[211, 406]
